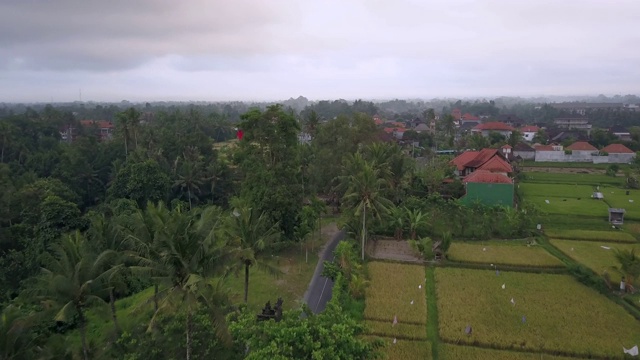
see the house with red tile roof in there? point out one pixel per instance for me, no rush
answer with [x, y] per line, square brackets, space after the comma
[618, 154]
[485, 159]
[493, 126]
[469, 117]
[582, 149]
[104, 129]
[529, 131]
[457, 114]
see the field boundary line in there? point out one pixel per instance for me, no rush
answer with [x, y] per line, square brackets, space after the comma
[391, 321]
[481, 345]
[433, 334]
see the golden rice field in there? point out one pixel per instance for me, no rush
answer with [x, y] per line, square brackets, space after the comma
[455, 352]
[404, 349]
[391, 290]
[561, 314]
[592, 254]
[400, 330]
[504, 253]
[592, 235]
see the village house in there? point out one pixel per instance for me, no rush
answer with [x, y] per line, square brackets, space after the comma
[104, 129]
[582, 151]
[573, 122]
[492, 160]
[620, 132]
[524, 151]
[618, 154]
[420, 128]
[493, 126]
[529, 131]
[511, 120]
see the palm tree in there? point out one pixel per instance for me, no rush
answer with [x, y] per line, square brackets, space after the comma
[109, 235]
[128, 123]
[16, 339]
[190, 173]
[183, 254]
[253, 233]
[365, 192]
[629, 264]
[74, 278]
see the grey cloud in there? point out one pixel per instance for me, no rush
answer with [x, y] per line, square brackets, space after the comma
[67, 35]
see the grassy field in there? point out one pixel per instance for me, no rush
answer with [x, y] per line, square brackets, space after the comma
[561, 315]
[400, 330]
[568, 205]
[290, 285]
[556, 190]
[405, 349]
[574, 179]
[455, 352]
[592, 235]
[592, 255]
[392, 289]
[572, 222]
[512, 252]
[618, 198]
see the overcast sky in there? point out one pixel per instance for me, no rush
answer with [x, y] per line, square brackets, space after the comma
[143, 50]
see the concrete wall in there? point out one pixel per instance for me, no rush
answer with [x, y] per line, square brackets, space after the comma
[489, 194]
[526, 155]
[582, 156]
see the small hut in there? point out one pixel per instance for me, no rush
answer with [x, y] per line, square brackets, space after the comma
[616, 216]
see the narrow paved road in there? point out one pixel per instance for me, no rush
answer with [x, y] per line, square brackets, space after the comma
[320, 287]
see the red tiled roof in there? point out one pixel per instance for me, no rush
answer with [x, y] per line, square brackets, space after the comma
[484, 176]
[581, 145]
[543, 147]
[102, 124]
[529, 128]
[617, 149]
[494, 125]
[388, 130]
[496, 164]
[482, 157]
[506, 146]
[377, 121]
[461, 160]
[468, 116]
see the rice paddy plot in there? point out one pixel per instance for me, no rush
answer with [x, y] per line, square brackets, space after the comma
[396, 290]
[532, 312]
[509, 252]
[598, 256]
[592, 235]
[570, 206]
[455, 352]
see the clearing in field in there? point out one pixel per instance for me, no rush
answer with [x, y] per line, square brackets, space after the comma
[592, 235]
[510, 252]
[598, 256]
[454, 352]
[549, 313]
[618, 198]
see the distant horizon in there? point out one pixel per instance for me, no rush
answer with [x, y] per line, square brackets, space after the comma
[576, 97]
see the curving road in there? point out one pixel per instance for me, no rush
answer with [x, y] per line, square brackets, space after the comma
[320, 287]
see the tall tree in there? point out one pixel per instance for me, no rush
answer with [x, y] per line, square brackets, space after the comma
[73, 278]
[253, 233]
[127, 125]
[183, 255]
[365, 194]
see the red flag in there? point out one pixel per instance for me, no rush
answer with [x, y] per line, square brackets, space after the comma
[239, 134]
